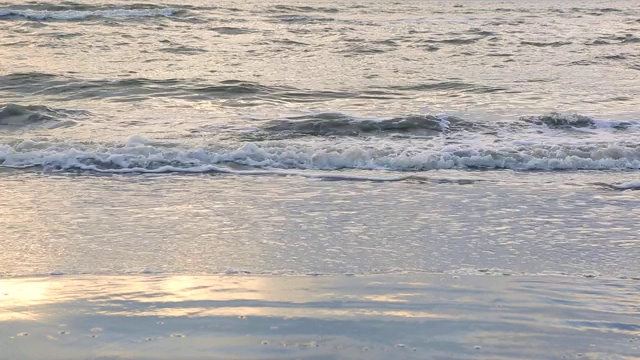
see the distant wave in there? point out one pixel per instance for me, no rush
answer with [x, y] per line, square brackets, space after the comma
[84, 14]
[631, 185]
[14, 116]
[289, 8]
[326, 124]
[299, 19]
[71, 88]
[340, 124]
[559, 120]
[545, 44]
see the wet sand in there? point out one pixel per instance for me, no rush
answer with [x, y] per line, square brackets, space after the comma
[391, 316]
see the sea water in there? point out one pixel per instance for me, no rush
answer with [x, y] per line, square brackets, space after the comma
[473, 146]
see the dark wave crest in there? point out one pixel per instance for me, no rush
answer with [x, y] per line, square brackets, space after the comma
[558, 120]
[82, 13]
[338, 124]
[15, 117]
[70, 88]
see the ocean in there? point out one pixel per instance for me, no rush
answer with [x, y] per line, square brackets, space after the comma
[359, 179]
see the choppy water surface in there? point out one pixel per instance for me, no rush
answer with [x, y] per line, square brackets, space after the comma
[466, 138]
[412, 85]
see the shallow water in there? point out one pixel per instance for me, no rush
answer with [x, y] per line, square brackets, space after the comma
[369, 317]
[267, 224]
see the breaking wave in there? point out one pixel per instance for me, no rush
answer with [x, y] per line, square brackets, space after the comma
[139, 155]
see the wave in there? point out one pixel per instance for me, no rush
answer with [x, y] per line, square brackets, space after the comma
[14, 116]
[299, 19]
[546, 44]
[69, 88]
[560, 121]
[458, 41]
[228, 30]
[84, 14]
[338, 124]
[451, 86]
[289, 8]
[139, 155]
[631, 185]
[614, 40]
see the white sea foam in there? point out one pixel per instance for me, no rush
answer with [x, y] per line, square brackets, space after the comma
[145, 156]
[84, 14]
